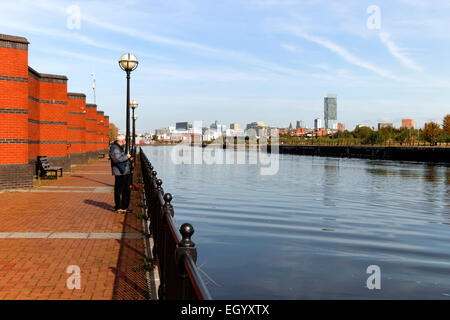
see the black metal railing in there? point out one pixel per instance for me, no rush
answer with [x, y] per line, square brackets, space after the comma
[175, 253]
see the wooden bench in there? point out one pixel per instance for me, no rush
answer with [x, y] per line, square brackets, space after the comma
[44, 167]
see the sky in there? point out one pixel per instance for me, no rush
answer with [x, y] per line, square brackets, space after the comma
[239, 61]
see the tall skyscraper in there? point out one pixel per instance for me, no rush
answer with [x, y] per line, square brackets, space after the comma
[317, 123]
[330, 111]
[300, 124]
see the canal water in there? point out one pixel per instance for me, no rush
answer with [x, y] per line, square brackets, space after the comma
[312, 230]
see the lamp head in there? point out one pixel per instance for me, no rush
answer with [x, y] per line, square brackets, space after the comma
[133, 104]
[128, 62]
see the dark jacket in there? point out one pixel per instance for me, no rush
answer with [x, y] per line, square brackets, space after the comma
[119, 159]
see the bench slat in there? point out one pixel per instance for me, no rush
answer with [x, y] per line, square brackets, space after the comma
[45, 165]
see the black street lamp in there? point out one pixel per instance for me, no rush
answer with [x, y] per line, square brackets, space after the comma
[134, 105]
[128, 63]
[134, 139]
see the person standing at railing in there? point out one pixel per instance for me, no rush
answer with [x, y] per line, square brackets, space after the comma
[121, 170]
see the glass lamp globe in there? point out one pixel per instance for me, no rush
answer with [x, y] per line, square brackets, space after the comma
[128, 62]
[133, 104]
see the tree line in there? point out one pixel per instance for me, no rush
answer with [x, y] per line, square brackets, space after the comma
[432, 134]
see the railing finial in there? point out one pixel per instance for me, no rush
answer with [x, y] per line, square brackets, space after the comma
[186, 230]
[167, 198]
[186, 246]
[168, 208]
[159, 183]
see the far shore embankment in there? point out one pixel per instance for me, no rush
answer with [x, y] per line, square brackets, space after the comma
[418, 154]
[397, 153]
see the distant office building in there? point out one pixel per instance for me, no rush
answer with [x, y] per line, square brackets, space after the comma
[260, 129]
[382, 125]
[301, 124]
[234, 126]
[330, 111]
[317, 123]
[408, 123]
[182, 126]
[162, 134]
[216, 126]
[255, 125]
[208, 135]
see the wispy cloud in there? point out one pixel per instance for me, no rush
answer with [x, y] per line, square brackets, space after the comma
[322, 66]
[398, 52]
[197, 48]
[291, 48]
[78, 56]
[343, 53]
[71, 36]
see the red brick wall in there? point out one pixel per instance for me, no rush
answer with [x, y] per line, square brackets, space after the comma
[91, 127]
[76, 123]
[33, 113]
[100, 128]
[106, 132]
[51, 115]
[38, 116]
[13, 100]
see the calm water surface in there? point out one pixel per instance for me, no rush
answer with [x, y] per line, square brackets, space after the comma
[311, 230]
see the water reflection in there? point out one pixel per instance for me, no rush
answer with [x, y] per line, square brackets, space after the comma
[311, 230]
[330, 181]
[431, 173]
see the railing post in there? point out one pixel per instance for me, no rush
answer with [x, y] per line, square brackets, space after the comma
[155, 219]
[167, 209]
[159, 188]
[161, 223]
[186, 247]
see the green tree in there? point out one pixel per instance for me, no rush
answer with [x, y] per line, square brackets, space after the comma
[113, 132]
[402, 135]
[375, 137]
[431, 132]
[362, 133]
[446, 124]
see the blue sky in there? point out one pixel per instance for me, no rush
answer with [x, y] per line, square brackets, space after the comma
[246, 60]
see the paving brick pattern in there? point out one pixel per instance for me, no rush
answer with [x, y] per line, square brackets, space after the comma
[36, 268]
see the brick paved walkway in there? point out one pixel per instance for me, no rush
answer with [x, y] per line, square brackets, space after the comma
[70, 221]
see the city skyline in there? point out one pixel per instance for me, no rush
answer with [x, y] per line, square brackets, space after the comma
[278, 59]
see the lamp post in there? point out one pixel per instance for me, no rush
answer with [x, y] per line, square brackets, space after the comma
[128, 63]
[134, 105]
[134, 136]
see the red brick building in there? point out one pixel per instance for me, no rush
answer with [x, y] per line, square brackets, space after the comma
[38, 117]
[302, 132]
[408, 123]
